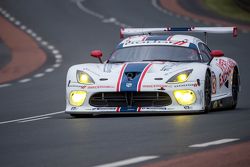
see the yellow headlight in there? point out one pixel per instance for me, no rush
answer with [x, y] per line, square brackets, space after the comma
[185, 97]
[182, 77]
[84, 78]
[77, 98]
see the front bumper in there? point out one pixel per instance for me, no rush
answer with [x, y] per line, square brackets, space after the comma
[174, 107]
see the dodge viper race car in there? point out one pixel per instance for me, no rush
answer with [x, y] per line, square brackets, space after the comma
[155, 71]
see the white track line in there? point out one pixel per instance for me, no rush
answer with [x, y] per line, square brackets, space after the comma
[49, 69]
[24, 80]
[112, 20]
[216, 142]
[86, 10]
[39, 75]
[4, 85]
[36, 119]
[128, 161]
[33, 117]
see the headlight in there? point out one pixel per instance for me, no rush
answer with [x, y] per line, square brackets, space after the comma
[77, 98]
[180, 77]
[185, 97]
[84, 78]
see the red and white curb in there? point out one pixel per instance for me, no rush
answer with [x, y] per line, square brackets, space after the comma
[51, 48]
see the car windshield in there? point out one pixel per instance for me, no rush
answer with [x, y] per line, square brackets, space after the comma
[154, 53]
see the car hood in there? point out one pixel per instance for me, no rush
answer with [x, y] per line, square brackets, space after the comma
[131, 76]
[139, 67]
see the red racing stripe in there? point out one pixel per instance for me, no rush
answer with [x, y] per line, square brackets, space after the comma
[144, 38]
[142, 76]
[118, 86]
[169, 38]
[180, 43]
[118, 109]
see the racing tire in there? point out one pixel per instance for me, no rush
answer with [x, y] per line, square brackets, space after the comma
[207, 93]
[81, 115]
[235, 89]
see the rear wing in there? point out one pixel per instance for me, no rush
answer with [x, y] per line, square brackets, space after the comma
[125, 32]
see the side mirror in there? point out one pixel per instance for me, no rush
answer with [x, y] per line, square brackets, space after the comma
[217, 53]
[96, 54]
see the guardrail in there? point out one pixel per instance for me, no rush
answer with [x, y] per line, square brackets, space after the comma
[244, 4]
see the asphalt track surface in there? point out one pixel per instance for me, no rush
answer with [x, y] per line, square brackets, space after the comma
[59, 140]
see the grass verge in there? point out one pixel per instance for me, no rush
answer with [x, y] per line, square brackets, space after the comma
[228, 8]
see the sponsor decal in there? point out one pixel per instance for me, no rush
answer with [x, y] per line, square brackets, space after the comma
[226, 67]
[171, 85]
[129, 84]
[99, 87]
[156, 86]
[154, 108]
[73, 108]
[93, 86]
[103, 108]
[186, 85]
[79, 86]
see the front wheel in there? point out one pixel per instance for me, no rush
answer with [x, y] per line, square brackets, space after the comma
[207, 93]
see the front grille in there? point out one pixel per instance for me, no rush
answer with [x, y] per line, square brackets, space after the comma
[131, 99]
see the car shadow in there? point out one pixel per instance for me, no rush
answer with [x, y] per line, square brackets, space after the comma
[125, 115]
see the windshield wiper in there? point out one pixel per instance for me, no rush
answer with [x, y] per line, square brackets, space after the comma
[162, 60]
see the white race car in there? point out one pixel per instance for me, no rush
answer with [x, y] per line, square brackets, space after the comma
[154, 71]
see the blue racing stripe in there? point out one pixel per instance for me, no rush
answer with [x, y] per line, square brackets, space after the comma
[179, 29]
[157, 37]
[128, 109]
[131, 86]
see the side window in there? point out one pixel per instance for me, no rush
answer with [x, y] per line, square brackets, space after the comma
[205, 52]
